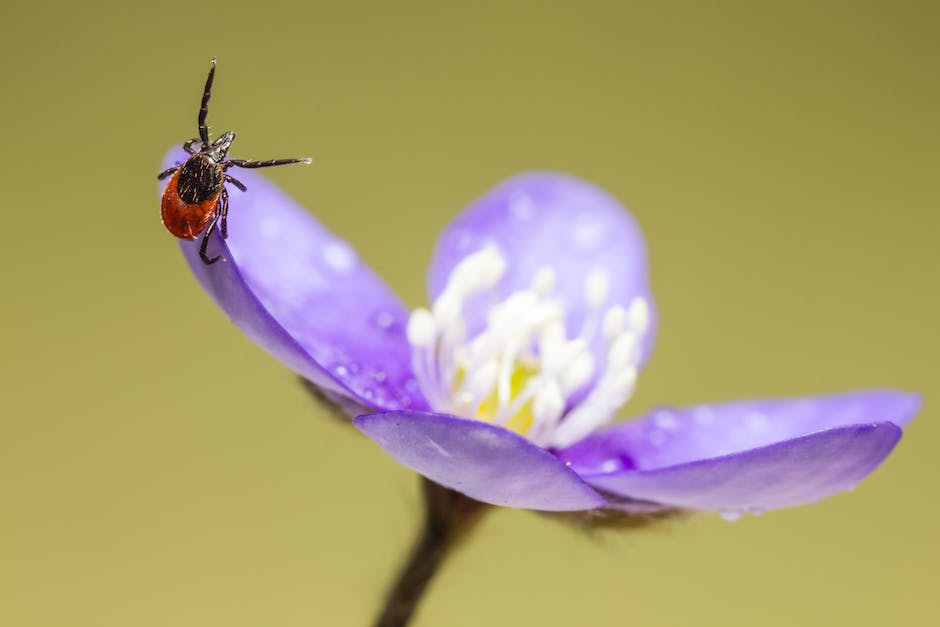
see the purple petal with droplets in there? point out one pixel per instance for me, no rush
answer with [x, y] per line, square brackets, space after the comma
[304, 295]
[483, 461]
[667, 436]
[793, 472]
[545, 219]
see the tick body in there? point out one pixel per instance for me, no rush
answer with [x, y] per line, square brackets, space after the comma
[195, 200]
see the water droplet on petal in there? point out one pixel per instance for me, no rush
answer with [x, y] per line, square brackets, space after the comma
[611, 465]
[379, 376]
[521, 207]
[665, 420]
[588, 234]
[704, 415]
[384, 320]
[341, 371]
[731, 514]
[339, 256]
[354, 367]
[460, 240]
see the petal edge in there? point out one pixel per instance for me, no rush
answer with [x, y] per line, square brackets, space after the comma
[483, 461]
[793, 472]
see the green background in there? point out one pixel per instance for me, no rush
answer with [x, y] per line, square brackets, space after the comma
[156, 468]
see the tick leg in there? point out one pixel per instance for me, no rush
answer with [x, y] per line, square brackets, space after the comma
[204, 108]
[205, 242]
[241, 163]
[167, 172]
[223, 209]
[188, 146]
[234, 181]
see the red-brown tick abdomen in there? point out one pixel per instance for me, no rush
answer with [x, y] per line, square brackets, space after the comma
[182, 219]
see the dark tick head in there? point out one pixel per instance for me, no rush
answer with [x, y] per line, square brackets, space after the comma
[219, 148]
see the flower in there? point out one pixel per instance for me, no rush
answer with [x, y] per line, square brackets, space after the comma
[541, 319]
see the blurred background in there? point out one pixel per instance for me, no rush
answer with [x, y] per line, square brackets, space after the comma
[156, 468]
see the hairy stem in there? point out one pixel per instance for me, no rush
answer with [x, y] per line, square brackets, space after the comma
[448, 516]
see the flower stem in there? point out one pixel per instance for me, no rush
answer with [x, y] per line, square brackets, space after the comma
[448, 516]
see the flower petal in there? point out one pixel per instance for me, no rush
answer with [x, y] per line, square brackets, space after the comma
[483, 461]
[304, 295]
[793, 472]
[544, 219]
[669, 436]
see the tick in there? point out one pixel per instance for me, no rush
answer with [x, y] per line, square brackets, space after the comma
[195, 199]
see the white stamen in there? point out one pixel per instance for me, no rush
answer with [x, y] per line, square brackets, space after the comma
[478, 385]
[638, 315]
[578, 373]
[547, 406]
[544, 282]
[523, 358]
[624, 350]
[506, 366]
[474, 273]
[477, 271]
[448, 307]
[614, 321]
[596, 288]
[421, 329]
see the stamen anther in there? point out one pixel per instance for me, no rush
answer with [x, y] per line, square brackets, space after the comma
[421, 329]
[596, 288]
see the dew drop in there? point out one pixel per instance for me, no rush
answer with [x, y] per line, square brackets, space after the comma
[461, 240]
[665, 420]
[339, 256]
[588, 235]
[354, 367]
[731, 514]
[611, 465]
[384, 320]
[704, 415]
[341, 371]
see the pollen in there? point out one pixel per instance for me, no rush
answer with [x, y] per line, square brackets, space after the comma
[523, 370]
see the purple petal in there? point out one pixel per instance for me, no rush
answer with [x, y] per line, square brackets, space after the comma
[483, 461]
[793, 472]
[669, 436]
[544, 219]
[304, 295]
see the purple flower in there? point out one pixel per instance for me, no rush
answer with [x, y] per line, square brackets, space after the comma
[541, 319]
